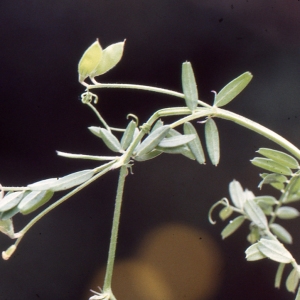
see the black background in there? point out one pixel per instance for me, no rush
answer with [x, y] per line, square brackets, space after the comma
[41, 44]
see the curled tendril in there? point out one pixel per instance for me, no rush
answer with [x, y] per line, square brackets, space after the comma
[133, 117]
[145, 127]
[223, 201]
[89, 97]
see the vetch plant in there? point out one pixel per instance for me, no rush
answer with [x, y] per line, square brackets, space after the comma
[138, 143]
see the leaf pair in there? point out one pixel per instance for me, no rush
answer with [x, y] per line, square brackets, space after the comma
[276, 161]
[226, 95]
[271, 249]
[95, 61]
[40, 193]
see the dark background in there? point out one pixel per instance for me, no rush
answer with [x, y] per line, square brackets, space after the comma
[41, 44]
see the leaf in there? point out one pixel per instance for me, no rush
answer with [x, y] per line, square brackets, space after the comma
[72, 180]
[269, 200]
[43, 185]
[8, 214]
[176, 141]
[253, 253]
[160, 123]
[287, 212]
[152, 140]
[110, 140]
[110, 57]
[10, 200]
[255, 214]
[154, 153]
[195, 145]
[6, 227]
[275, 180]
[212, 141]
[95, 130]
[271, 165]
[278, 276]
[292, 190]
[237, 194]
[281, 233]
[232, 89]
[292, 281]
[279, 157]
[89, 61]
[127, 137]
[189, 86]
[275, 251]
[232, 226]
[34, 200]
[184, 149]
[62, 183]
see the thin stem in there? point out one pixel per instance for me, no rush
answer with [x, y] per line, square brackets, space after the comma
[84, 156]
[141, 87]
[98, 115]
[114, 230]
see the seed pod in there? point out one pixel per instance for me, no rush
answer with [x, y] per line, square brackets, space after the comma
[226, 212]
[110, 57]
[89, 61]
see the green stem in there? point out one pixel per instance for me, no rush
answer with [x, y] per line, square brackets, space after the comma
[141, 87]
[262, 130]
[114, 230]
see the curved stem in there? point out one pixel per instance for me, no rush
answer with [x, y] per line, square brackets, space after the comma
[114, 230]
[262, 130]
[141, 87]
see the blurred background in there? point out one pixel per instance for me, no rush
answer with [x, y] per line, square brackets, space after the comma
[167, 249]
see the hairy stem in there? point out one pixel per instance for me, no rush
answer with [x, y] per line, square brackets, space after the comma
[114, 230]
